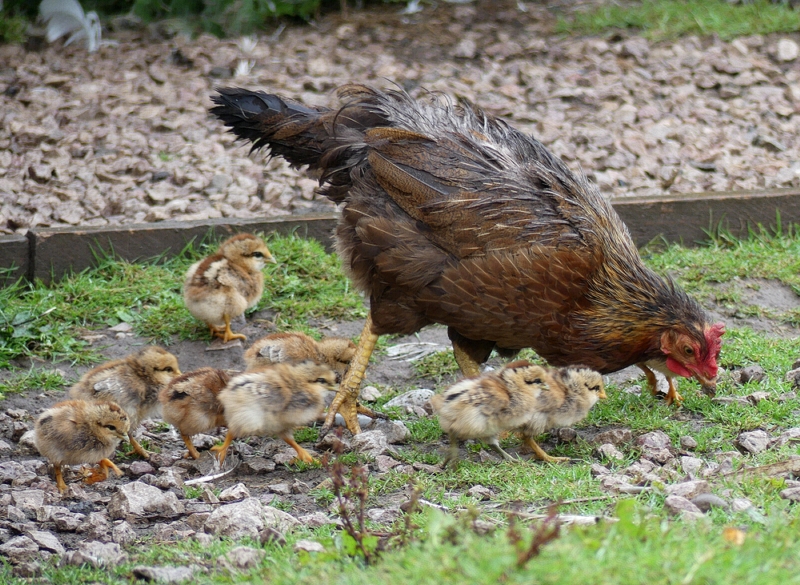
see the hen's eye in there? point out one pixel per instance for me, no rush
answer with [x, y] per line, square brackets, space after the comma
[688, 350]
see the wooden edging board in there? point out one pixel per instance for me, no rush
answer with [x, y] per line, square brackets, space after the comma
[49, 254]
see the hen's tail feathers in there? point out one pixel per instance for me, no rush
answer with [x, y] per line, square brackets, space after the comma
[329, 141]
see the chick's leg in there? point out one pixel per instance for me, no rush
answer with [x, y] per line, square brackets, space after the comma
[226, 334]
[100, 473]
[222, 450]
[60, 483]
[495, 445]
[302, 454]
[140, 451]
[346, 402]
[189, 445]
[452, 452]
[672, 393]
[539, 453]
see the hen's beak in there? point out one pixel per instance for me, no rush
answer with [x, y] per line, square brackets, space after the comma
[707, 385]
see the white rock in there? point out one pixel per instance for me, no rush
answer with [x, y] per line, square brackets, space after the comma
[688, 489]
[19, 549]
[47, 541]
[138, 499]
[788, 50]
[308, 546]
[609, 451]
[244, 557]
[97, 554]
[753, 441]
[372, 443]
[369, 394]
[410, 399]
[234, 493]
[248, 518]
[680, 505]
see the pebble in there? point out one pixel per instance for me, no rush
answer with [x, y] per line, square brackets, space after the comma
[688, 443]
[308, 546]
[753, 442]
[787, 50]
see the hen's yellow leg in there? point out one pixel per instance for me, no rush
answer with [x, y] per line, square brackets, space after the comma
[469, 367]
[222, 450]
[346, 401]
[302, 454]
[189, 445]
[539, 453]
[60, 483]
[672, 393]
[140, 451]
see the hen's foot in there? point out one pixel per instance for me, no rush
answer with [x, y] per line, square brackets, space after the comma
[540, 454]
[346, 402]
[671, 395]
[189, 445]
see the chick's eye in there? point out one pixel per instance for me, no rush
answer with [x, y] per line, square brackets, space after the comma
[535, 381]
[322, 381]
[110, 427]
[258, 255]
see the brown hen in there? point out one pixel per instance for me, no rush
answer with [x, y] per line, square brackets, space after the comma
[451, 216]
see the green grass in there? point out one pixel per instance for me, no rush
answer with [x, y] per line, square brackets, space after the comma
[47, 321]
[36, 380]
[674, 18]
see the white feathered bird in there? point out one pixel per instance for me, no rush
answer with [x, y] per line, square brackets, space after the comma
[63, 17]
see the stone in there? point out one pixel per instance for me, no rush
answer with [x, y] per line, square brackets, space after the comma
[567, 435]
[20, 549]
[787, 50]
[308, 546]
[384, 463]
[791, 494]
[788, 436]
[752, 373]
[258, 465]
[615, 437]
[244, 557]
[740, 504]
[271, 536]
[793, 376]
[29, 501]
[419, 466]
[396, 431]
[15, 515]
[247, 519]
[410, 399]
[369, 394]
[480, 492]
[691, 466]
[208, 495]
[688, 489]
[238, 520]
[299, 487]
[315, 520]
[753, 442]
[168, 478]
[138, 499]
[610, 452]
[371, 443]
[653, 440]
[96, 526]
[138, 468]
[598, 470]
[47, 541]
[707, 501]
[467, 48]
[757, 397]
[679, 505]
[10, 470]
[165, 574]
[234, 493]
[97, 554]
[123, 533]
[282, 489]
[688, 443]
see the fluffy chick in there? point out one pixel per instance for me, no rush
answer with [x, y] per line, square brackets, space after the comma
[132, 382]
[74, 432]
[570, 394]
[222, 286]
[484, 407]
[292, 347]
[189, 403]
[274, 400]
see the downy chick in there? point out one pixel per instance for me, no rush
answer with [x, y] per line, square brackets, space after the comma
[75, 432]
[293, 347]
[189, 403]
[222, 286]
[565, 401]
[132, 382]
[484, 407]
[274, 400]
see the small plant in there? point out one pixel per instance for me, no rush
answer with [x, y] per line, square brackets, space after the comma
[547, 531]
[39, 379]
[192, 491]
[351, 489]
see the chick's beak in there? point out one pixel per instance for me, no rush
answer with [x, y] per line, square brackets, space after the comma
[602, 394]
[270, 259]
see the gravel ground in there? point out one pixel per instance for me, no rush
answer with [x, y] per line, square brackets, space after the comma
[123, 135]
